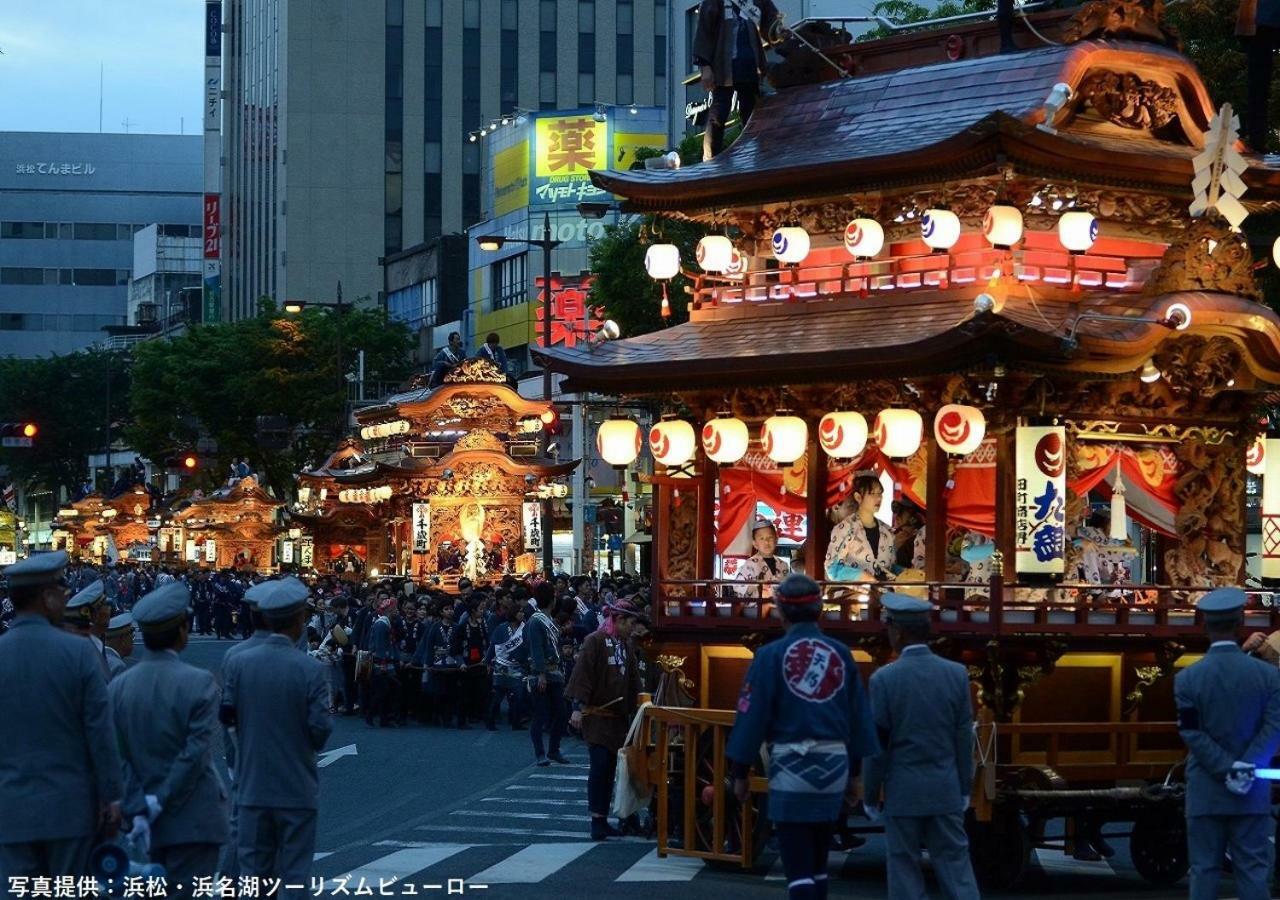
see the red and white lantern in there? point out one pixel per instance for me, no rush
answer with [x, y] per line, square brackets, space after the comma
[784, 438]
[1255, 458]
[843, 435]
[863, 238]
[672, 442]
[898, 432]
[725, 440]
[959, 429]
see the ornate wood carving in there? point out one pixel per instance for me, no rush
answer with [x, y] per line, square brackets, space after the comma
[682, 538]
[1004, 675]
[1193, 364]
[1124, 99]
[476, 371]
[479, 439]
[1208, 256]
[1210, 521]
[476, 479]
[1141, 20]
[801, 65]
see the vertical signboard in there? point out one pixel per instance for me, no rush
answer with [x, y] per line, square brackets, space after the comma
[1041, 500]
[212, 283]
[532, 526]
[421, 528]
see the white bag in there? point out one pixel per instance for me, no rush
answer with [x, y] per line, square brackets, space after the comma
[629, 794]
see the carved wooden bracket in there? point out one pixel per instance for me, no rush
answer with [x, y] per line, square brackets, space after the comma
[1141, 20]
[1124, 99]
[1208, 256]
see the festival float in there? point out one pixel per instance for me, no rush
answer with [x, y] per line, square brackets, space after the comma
[440, 484]
[1011, 288]
[99, 529]
[234, 527]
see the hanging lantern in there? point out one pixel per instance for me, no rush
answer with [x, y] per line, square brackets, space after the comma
[1077, 230]
[715, 253]
[662, 261]
[863, 238]
[672, 442]
[940, 229]
[725, 440]
[959, 429]
[784, 438]
[1119, 515]
[1275, 252]
[1255, 458]
[738, 264]
[898, 432]
[1002, 226]
[618, 441]
[790, 244]
[843, 434]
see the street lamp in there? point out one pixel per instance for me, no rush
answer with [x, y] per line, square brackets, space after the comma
[295, 307]
[491, 243]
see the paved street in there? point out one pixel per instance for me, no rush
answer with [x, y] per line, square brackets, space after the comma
[429, 805]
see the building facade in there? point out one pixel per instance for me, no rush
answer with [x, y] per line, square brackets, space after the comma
[69, 207]
[166, 267]
[347, 124]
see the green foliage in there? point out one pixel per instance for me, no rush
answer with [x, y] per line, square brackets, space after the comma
[66, 396]
[908, 12]
[620, 284]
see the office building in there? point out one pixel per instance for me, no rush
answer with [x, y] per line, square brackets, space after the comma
[69, 207]
[166, 271]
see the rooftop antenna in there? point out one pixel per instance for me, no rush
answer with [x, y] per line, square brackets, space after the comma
[126, 124]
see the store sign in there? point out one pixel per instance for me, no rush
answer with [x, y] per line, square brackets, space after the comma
[571, 315]
[1271, 510]
[421, 528]
[511, 178]
[212, 226]
[55, 168]
[567, 148]
[7, 557]
[213, 28]
[286, 552]
[1041, 500]
[193, 552]
[532, 526]
[307, 556]
[210, 551]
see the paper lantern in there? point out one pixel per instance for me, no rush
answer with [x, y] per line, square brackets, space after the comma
[959, 429]
[715, 253]
[784, 438]
[618, 441]
[940, 229]
[1077, 230]
[672, 442]
[662, 261]
[1255, 458]
[863, 238]
[898, 432]
[725, 440]
[738, 264]
[790, 244]
[1275, 252]
[1271, 510]
[1002, 226]
[843, 434]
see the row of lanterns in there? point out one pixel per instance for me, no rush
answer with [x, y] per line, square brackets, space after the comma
[365, 495]
[864, 239]
[384, 429]
[784, 437]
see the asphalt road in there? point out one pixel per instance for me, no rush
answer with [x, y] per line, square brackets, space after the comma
[438, 808]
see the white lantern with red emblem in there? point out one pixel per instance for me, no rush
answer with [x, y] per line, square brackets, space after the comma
[672, 442]
[863, 238]
[1002, 226]
[725, 440]
[843, 434]
[662, 261]
[715, 253]
[898, 432]
[784, 438]
[959, 429]
[618, 441]
[940, 228]
[1255, 458]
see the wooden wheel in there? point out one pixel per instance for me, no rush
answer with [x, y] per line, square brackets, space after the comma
[704, 815]
[999, 849]
[1158, 846]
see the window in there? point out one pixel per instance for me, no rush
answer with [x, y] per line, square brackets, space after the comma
[93, 231]
[95, 277]
[433, 74]
[625, 22]
[510, 286]
[66, 231]
[470, 199]
[415, 305]
[659, 54]
[15, 275]
[626, 89]
[23, 230]
[625, 57]
[124, 232]
[470, 79]
[586, 15]
[587, 55]
[547, 90]
[586, 88]
[690, 31]
[547, 51]
[164, 230]
[431, 205]
[547, 15]
[509, 65]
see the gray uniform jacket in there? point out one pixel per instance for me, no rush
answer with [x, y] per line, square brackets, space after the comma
[280, 699]
[115, 663]
[1228, 711]
[59, 759]
[166, 715]
[924, 717]
[228, 658]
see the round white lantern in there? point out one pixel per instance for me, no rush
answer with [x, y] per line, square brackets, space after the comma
[898, 432]
[672, 442]
[725, 440]
[784, 438]
[715, 253]
[1275, 252]
[1077, 230]
[863, 238]
[843, 434]
[959, 429]
[1255, 458]
[662, 261]
[940, 228]
[1002, 226]
[790, 244]
[618, 441]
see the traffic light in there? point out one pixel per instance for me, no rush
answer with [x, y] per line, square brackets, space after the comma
[183, 463]
[189, 462]
[550, 420]
[17, 434]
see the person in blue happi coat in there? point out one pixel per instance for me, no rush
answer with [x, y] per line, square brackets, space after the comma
[804, 696]
[1229, 718]
[920, 781]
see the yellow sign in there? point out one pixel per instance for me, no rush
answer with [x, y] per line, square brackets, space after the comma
[571, 145]
[511, 178]
[626, 144]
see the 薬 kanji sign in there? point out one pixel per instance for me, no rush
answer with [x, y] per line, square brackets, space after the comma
[571, 315]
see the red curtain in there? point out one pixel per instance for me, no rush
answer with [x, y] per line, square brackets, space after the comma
[1150, 476]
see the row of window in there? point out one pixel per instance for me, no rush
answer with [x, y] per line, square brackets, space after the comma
[509, 281]
[58, 322]
[75, 277]
[87, 231]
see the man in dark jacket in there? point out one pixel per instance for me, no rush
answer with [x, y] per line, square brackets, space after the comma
[546, 677]
[728, 48]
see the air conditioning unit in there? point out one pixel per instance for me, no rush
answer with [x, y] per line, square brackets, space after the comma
[146, 314]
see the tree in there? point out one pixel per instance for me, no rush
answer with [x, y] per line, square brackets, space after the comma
[620, 283]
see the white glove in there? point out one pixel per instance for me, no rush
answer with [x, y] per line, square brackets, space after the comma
[153, 808]
[964, 802]
[1240, 779]
[140, 835]
[874, 813]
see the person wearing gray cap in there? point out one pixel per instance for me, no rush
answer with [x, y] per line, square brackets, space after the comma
[166, 715]
[921, 780]
[1229, 718]
[87, 614]
[119, 643]
[278, 701]
[60, 784]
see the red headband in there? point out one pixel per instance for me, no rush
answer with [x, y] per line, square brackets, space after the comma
[803, 598]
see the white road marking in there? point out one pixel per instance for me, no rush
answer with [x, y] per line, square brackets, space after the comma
[329, 757]
[559, 777]
[533, 801]
[552, 788]
[516, 815]
[1055, 861]
[651, 867]
[319, 856]
[529, 832]
[402, 863]
[532, 864]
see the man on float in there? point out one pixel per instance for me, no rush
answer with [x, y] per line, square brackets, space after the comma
[803, 695]
[764, 566]
[861, 546]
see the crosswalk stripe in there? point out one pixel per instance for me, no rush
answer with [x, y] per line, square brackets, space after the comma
[532, 864]
[548, 788]
[835, 865]
[529, 832]
[316, 857]
[559, 777]
[516, 815]
[533, 800]
[652, 867]
[1055, 861]
[401, 863]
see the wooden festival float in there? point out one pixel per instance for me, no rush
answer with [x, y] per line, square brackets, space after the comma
[441, 483]
[96, 528]
[989, 262]
[235, 527]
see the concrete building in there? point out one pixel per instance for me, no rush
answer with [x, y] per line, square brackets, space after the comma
[69, 207]
[346, 123]
[426, 289]
[166, 267]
